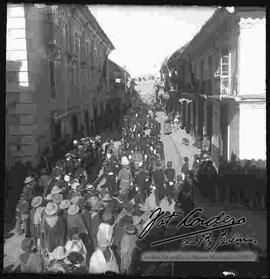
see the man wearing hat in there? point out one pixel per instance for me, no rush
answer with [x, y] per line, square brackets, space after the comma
[75, 220]
[92, 220]
[111, 204]
[125, 178]
[53, 228]
[185, 167]
[159, 181]
[35, 218]
[196, 164]
[44, 180]
[169, 174]
[141, 178]
[29, 192]
[30, 188]
[110, 181]
[63, 208]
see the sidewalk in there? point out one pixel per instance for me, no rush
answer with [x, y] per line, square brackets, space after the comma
[256, 221]
[177, 136]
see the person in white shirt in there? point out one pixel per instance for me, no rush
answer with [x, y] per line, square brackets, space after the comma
[103, 259]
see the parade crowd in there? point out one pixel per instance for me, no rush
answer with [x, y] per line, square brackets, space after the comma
[72, 225]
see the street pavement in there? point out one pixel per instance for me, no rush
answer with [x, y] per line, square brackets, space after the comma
[255, 226]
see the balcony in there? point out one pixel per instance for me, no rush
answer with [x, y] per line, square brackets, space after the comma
[221, 86]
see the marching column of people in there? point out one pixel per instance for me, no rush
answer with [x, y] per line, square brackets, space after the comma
[73, 224]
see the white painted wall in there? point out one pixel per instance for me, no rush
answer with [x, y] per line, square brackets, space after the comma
[252, 134]
[252, 56]
[16, 40]
[216, 133]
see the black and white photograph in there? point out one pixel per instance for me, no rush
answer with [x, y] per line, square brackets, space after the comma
[135, 140]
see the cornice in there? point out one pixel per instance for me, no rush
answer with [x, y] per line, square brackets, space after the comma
[250, 21]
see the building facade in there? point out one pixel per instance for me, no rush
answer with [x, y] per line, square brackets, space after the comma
[118, 93]
[57, 77]
[218, 83]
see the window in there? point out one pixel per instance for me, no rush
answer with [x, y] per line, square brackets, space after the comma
[201, 69]
[52, 79]
[72, 75]
[77, 44]
[66, 36]
[210, 66]
[87, 50]
[12, 77]
[71, 39]
[224, 71]
[82, 45]
[224, 62]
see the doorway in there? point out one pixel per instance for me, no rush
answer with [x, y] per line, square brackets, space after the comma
[194, 118]
[96, 127]
[200, 118]
[209, 120]
[86, 116]
[75, 125]
[224, 130]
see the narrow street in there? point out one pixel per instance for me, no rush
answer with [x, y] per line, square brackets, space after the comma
[128, 153]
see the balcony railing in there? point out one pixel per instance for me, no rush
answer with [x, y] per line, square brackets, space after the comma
[221, 86]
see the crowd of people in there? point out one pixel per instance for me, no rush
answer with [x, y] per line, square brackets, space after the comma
[72, 224]
[84, 214]
[240, 183]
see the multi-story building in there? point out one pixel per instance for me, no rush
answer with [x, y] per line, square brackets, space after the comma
[57, 76]
[119, 91]
[218, 79]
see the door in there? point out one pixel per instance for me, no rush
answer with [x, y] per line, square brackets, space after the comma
[224, 130]
[184, 114]
[188, 116]
[96, 121]
[200, 117]
[194, 118]
[209, 120]
[75, 125]
[86, 116]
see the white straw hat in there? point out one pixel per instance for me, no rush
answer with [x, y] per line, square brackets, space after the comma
[28, 179]
[124, 161]
[67, 178]
[56, 190]
[64, 204]
[36, 202]
[73, 209]
[51, 208]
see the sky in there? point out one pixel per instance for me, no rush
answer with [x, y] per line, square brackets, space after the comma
[144, 36]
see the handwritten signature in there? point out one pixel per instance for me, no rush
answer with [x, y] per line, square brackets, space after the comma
[219, 222]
